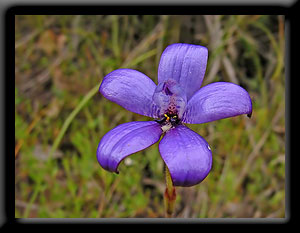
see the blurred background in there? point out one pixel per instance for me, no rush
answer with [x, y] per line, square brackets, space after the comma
[60, 116]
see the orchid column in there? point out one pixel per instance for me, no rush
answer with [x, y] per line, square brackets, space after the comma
[177, 99]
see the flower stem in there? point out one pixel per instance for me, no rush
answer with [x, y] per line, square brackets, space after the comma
[170, 194]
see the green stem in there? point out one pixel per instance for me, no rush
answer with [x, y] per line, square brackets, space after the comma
[70, 118]
[170, 194]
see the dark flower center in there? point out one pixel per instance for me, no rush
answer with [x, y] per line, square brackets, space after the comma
[169, 117]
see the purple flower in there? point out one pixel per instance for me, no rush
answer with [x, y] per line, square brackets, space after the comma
[177, 99]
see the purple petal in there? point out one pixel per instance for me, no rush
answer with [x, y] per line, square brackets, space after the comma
[131, 89]
[124, 140]
[187, 155]
[170, 98]
[217, 101]
[184, 63]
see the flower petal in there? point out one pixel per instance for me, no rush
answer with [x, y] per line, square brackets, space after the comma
[187, 155]
[184, 63]
[131, 89]
[216, 101]
[124, 140]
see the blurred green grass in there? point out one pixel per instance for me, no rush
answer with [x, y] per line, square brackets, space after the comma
[60, 59]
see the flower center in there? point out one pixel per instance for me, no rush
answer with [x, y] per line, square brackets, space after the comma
[169, 119]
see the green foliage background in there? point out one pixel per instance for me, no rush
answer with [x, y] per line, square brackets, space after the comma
[60, 117]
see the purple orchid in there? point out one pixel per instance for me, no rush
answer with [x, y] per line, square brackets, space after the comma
[177, 99]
